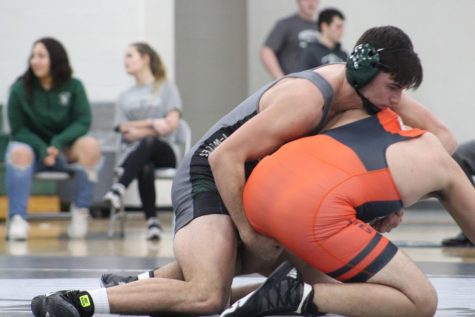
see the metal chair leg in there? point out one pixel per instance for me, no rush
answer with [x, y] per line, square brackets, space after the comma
[123, 218]
[112, 220]
[117, 215]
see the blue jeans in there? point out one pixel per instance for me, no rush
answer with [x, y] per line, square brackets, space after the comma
[19, 179]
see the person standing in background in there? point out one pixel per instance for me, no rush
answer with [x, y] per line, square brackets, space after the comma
[281, 51]
[327, 50]
[49, 116]
[147, 114]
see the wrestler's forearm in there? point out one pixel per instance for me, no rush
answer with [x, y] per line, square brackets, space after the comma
[229, 177]
[458, 197]
[448, 140]
[445, 136]
[440, 130]
[414, 114]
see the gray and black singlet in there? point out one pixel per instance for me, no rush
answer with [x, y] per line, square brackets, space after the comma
[194, 192]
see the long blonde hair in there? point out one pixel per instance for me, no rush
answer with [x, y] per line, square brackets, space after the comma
[156, 65]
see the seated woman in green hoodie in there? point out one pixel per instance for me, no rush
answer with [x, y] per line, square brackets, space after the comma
[49, 116]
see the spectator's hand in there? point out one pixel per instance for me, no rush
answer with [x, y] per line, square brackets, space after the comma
[389, 222]
[121, 127]
[132, 134]
[161, 126]
[49, 160]
[52, 151]
[262, 247]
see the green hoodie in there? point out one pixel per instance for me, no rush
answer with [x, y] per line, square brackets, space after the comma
[55, 117]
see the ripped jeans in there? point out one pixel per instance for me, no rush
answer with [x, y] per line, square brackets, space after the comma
[19, 179]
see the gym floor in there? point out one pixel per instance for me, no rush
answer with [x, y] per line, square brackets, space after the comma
[48, 261]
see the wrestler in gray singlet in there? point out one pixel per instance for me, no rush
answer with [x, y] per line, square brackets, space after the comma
[194, 192]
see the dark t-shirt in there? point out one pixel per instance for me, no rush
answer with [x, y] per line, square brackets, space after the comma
[317, 54]
[288, 37]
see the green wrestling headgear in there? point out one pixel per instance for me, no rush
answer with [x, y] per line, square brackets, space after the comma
[362, 66]
[383, 49]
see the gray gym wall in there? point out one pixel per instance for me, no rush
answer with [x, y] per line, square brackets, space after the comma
[211, 59]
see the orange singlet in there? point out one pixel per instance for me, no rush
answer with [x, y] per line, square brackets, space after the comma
[315, 195]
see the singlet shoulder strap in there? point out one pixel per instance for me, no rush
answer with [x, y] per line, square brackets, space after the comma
[325, 88]
[318, 80]
[370, 137]
[390, 122]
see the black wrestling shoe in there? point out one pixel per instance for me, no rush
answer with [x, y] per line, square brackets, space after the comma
[283, 293]
[460, 240]
[38, 305]
[110, 279]
[63, 304]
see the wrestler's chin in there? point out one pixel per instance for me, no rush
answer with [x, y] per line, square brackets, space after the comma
[391, 105]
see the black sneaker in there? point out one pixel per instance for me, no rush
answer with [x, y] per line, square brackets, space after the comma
[63, 304]
[283, 293]
[460, 240]
[110, 279]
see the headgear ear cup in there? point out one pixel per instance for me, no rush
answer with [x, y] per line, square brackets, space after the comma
[362, 65]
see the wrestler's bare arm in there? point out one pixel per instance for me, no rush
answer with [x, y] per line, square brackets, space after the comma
[287, 115]
[426, 160]
[414, 114]
[458, 197]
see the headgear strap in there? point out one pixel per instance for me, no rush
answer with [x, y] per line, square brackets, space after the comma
[362, 66]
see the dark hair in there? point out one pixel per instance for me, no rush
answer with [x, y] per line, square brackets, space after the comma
[60, 69]
[156, 65]
[397, 54]
[326, 16]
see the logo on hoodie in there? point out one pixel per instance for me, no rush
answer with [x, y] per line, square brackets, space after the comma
[64, 98]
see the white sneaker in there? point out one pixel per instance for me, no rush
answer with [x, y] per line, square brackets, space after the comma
[113, 199]
[114, 196]
[154, 229]
[78, 227]
[18, 228]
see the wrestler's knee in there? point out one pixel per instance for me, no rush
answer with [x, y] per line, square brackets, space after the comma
[210, 301]
[425, 301]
